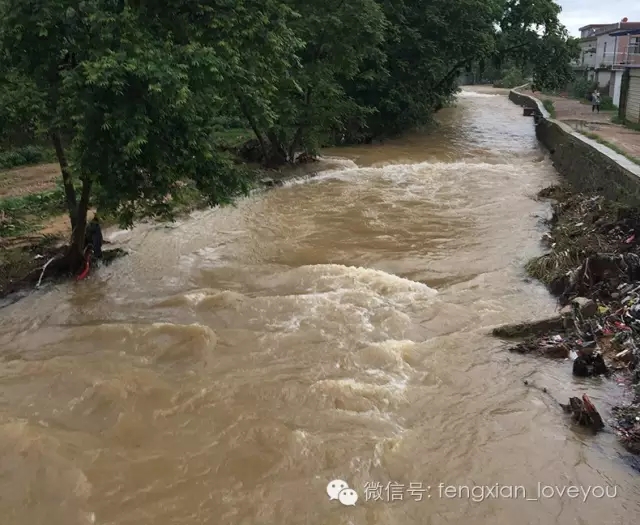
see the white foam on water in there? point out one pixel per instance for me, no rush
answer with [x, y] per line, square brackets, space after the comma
[383, 448]
[195, 298]
[336, 166]
[330, 174]
[118, 234]
[388, 355]
[290, 325]
[345, 163]
[320, 278]
[352, 304]
[396, 383]
[475, 94]
[419, 179]
[375, 400]
[347, 302]
[210, 298]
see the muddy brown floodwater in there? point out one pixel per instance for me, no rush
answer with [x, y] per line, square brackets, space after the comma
[238, 361]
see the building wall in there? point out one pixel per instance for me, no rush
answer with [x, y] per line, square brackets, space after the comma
[633, 58]
[616, 47]
[617, 85]
[605, 50]
[588, 59]
[621, 49]
[604, 79]
[633, 97]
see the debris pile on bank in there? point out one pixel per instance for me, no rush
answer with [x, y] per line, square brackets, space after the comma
[594, 246]
[593, 267]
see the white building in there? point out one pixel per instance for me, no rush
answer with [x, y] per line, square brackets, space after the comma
[601, 48]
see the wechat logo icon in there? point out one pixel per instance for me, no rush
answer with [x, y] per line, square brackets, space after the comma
[338, 489]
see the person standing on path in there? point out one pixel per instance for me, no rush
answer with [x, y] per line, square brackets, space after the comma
[595, 101]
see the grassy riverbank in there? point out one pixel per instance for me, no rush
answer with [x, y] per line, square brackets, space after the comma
[34, 225]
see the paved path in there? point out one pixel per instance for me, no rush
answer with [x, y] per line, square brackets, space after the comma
[580, 117]
[570, 109]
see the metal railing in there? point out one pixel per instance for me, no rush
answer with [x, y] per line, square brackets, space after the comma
[628, 56]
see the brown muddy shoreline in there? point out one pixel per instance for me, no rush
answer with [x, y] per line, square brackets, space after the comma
[24, 274]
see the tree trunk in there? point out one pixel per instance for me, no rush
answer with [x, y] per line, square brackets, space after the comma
[263, 145]
[294, 144]
[278, 155]
[67, 181]
[75, 255]
[256, 131]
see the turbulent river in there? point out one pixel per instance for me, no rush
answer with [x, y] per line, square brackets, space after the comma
[335, 328]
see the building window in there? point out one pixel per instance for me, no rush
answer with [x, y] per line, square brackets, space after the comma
[604, 52]
[634, 44]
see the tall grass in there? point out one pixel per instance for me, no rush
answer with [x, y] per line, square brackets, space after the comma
[20, 215]
[548, 105]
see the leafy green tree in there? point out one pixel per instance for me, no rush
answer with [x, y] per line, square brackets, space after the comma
[532, 37]
[337, 38]
[551, 61]
[130, 91]
[258, 53]
[128, 102]
[426, 46]
[513, 77]
[20, 107]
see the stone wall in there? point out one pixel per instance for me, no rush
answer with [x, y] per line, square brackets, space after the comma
[588, 165]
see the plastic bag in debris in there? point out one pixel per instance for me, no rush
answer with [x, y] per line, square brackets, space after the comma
[603, 309]
[634, 311]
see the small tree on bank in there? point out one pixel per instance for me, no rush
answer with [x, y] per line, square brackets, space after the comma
[128, 107]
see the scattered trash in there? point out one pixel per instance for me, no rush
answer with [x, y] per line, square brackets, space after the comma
[603, 309]
[627, 426]
[593, 267]
[589, 365]
[584, 413]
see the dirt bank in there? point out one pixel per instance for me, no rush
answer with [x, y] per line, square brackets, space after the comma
[23, 256]
[593, 267]
[29, 179]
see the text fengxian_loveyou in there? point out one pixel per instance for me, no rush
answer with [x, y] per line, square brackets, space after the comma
[419, 491]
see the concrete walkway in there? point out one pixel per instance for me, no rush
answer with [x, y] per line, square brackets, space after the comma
[580, 117]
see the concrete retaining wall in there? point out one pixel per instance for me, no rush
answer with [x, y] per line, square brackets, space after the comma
[588, 165]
